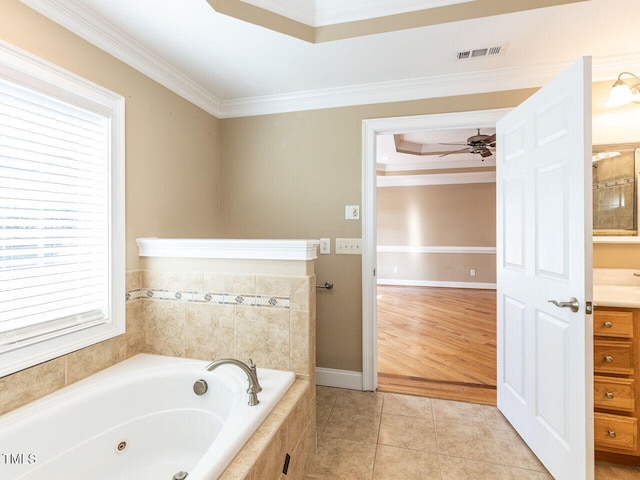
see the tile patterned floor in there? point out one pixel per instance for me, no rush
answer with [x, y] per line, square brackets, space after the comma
[385, 436]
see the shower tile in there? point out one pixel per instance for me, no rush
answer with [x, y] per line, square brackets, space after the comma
[133, 280]
[165, 327]
[300, 360]
[408, 405]
[87, 361]
[243, 284]
[209, 331]
[303, 296]
[277, 286]
[408, 432]
[31, 383]
[393, 463]
[134, 335]
[263, 334]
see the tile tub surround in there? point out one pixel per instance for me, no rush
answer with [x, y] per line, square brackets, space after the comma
[289, 429]
[386, 436]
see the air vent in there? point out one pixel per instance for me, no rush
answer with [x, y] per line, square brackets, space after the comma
[482, 52]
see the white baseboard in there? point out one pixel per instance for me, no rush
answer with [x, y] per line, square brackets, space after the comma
[329, 377]
[431, 283]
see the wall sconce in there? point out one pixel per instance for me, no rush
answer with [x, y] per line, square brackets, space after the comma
[623, 93]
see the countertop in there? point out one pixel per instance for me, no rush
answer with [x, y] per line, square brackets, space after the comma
[616, 296]
[616, 288]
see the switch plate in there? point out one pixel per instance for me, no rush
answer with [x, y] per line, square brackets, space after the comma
[348, 246]
[352, 212]
[325, 246]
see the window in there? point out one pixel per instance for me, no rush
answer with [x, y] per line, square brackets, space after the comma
[61, 212]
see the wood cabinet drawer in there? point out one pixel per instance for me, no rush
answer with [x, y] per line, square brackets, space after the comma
[611, 323]
[613, 357]
[614, 394]
[615, 433]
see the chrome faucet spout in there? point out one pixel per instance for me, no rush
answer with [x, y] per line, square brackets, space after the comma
[249, 370]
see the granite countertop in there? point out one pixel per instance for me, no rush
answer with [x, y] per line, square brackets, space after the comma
[616, 288]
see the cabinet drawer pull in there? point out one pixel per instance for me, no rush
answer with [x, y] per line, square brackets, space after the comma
[611, 433]
[608, 358]
[607, 324]
[609, 395]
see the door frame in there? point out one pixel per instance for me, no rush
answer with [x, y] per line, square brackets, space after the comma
[370, 129]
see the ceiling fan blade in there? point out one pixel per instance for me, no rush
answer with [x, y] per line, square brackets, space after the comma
[490, 139]
[444, 154]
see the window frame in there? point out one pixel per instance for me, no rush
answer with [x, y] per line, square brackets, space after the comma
[25, 69]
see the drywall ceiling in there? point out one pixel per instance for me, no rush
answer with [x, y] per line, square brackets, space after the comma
[232, 67]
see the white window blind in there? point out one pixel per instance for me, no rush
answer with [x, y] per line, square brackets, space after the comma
[54, 216]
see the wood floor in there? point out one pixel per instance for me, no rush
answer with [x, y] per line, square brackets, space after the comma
[438, 342]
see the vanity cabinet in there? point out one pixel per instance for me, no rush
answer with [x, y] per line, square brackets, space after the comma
[616, 365]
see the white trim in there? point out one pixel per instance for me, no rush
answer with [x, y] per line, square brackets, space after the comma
[370, 129]
[329, 377]
[436, 179]
[468, 161]
[229, 248]
[434, 283]
[77, 18]
[81, 20]
[435, 249]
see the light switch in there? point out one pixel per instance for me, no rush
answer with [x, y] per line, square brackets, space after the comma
[352, 212]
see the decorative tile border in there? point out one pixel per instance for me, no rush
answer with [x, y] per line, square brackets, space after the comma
[209, 297]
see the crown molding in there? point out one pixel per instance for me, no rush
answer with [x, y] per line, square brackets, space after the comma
[77, 18]
[74, 16]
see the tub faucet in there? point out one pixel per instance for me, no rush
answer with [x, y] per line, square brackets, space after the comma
[250, 370]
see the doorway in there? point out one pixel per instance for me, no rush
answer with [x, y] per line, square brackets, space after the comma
[436, 264]
[371, 129]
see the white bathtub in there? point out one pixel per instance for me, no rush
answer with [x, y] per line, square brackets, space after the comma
[139, 419]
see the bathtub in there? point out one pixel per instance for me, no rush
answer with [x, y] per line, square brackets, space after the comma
[139, 419]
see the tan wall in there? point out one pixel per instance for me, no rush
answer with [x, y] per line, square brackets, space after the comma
[172, 178]
[290, 175]
[172, 146]
[437, 216]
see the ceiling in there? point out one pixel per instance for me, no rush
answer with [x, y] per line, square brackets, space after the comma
[372, 51]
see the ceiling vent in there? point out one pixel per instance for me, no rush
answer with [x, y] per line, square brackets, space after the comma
[482, 52]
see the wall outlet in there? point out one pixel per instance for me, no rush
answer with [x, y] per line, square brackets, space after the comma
[325, 246]
[396, 270]
[348, 246]
[472, 272]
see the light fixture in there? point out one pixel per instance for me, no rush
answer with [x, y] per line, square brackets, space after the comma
[623, 93]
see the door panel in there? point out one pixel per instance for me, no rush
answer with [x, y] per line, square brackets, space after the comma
[545, 368]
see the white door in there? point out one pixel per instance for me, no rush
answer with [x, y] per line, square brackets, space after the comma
[545, 352]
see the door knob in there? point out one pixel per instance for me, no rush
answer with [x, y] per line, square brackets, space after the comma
[573, 304]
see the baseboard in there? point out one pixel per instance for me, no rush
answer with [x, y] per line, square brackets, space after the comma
[329, 377]
[432, 283]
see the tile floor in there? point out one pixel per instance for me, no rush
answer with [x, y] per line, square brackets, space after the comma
[385, 436]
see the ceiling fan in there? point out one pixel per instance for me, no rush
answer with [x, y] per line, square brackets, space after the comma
[479, 144]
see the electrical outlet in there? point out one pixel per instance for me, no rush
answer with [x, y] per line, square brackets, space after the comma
[348, 246]
[472, 272]
[325, 246]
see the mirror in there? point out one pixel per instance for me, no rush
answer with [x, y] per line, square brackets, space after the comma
[615, 187]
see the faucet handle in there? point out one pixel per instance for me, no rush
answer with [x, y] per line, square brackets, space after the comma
[252, 367]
